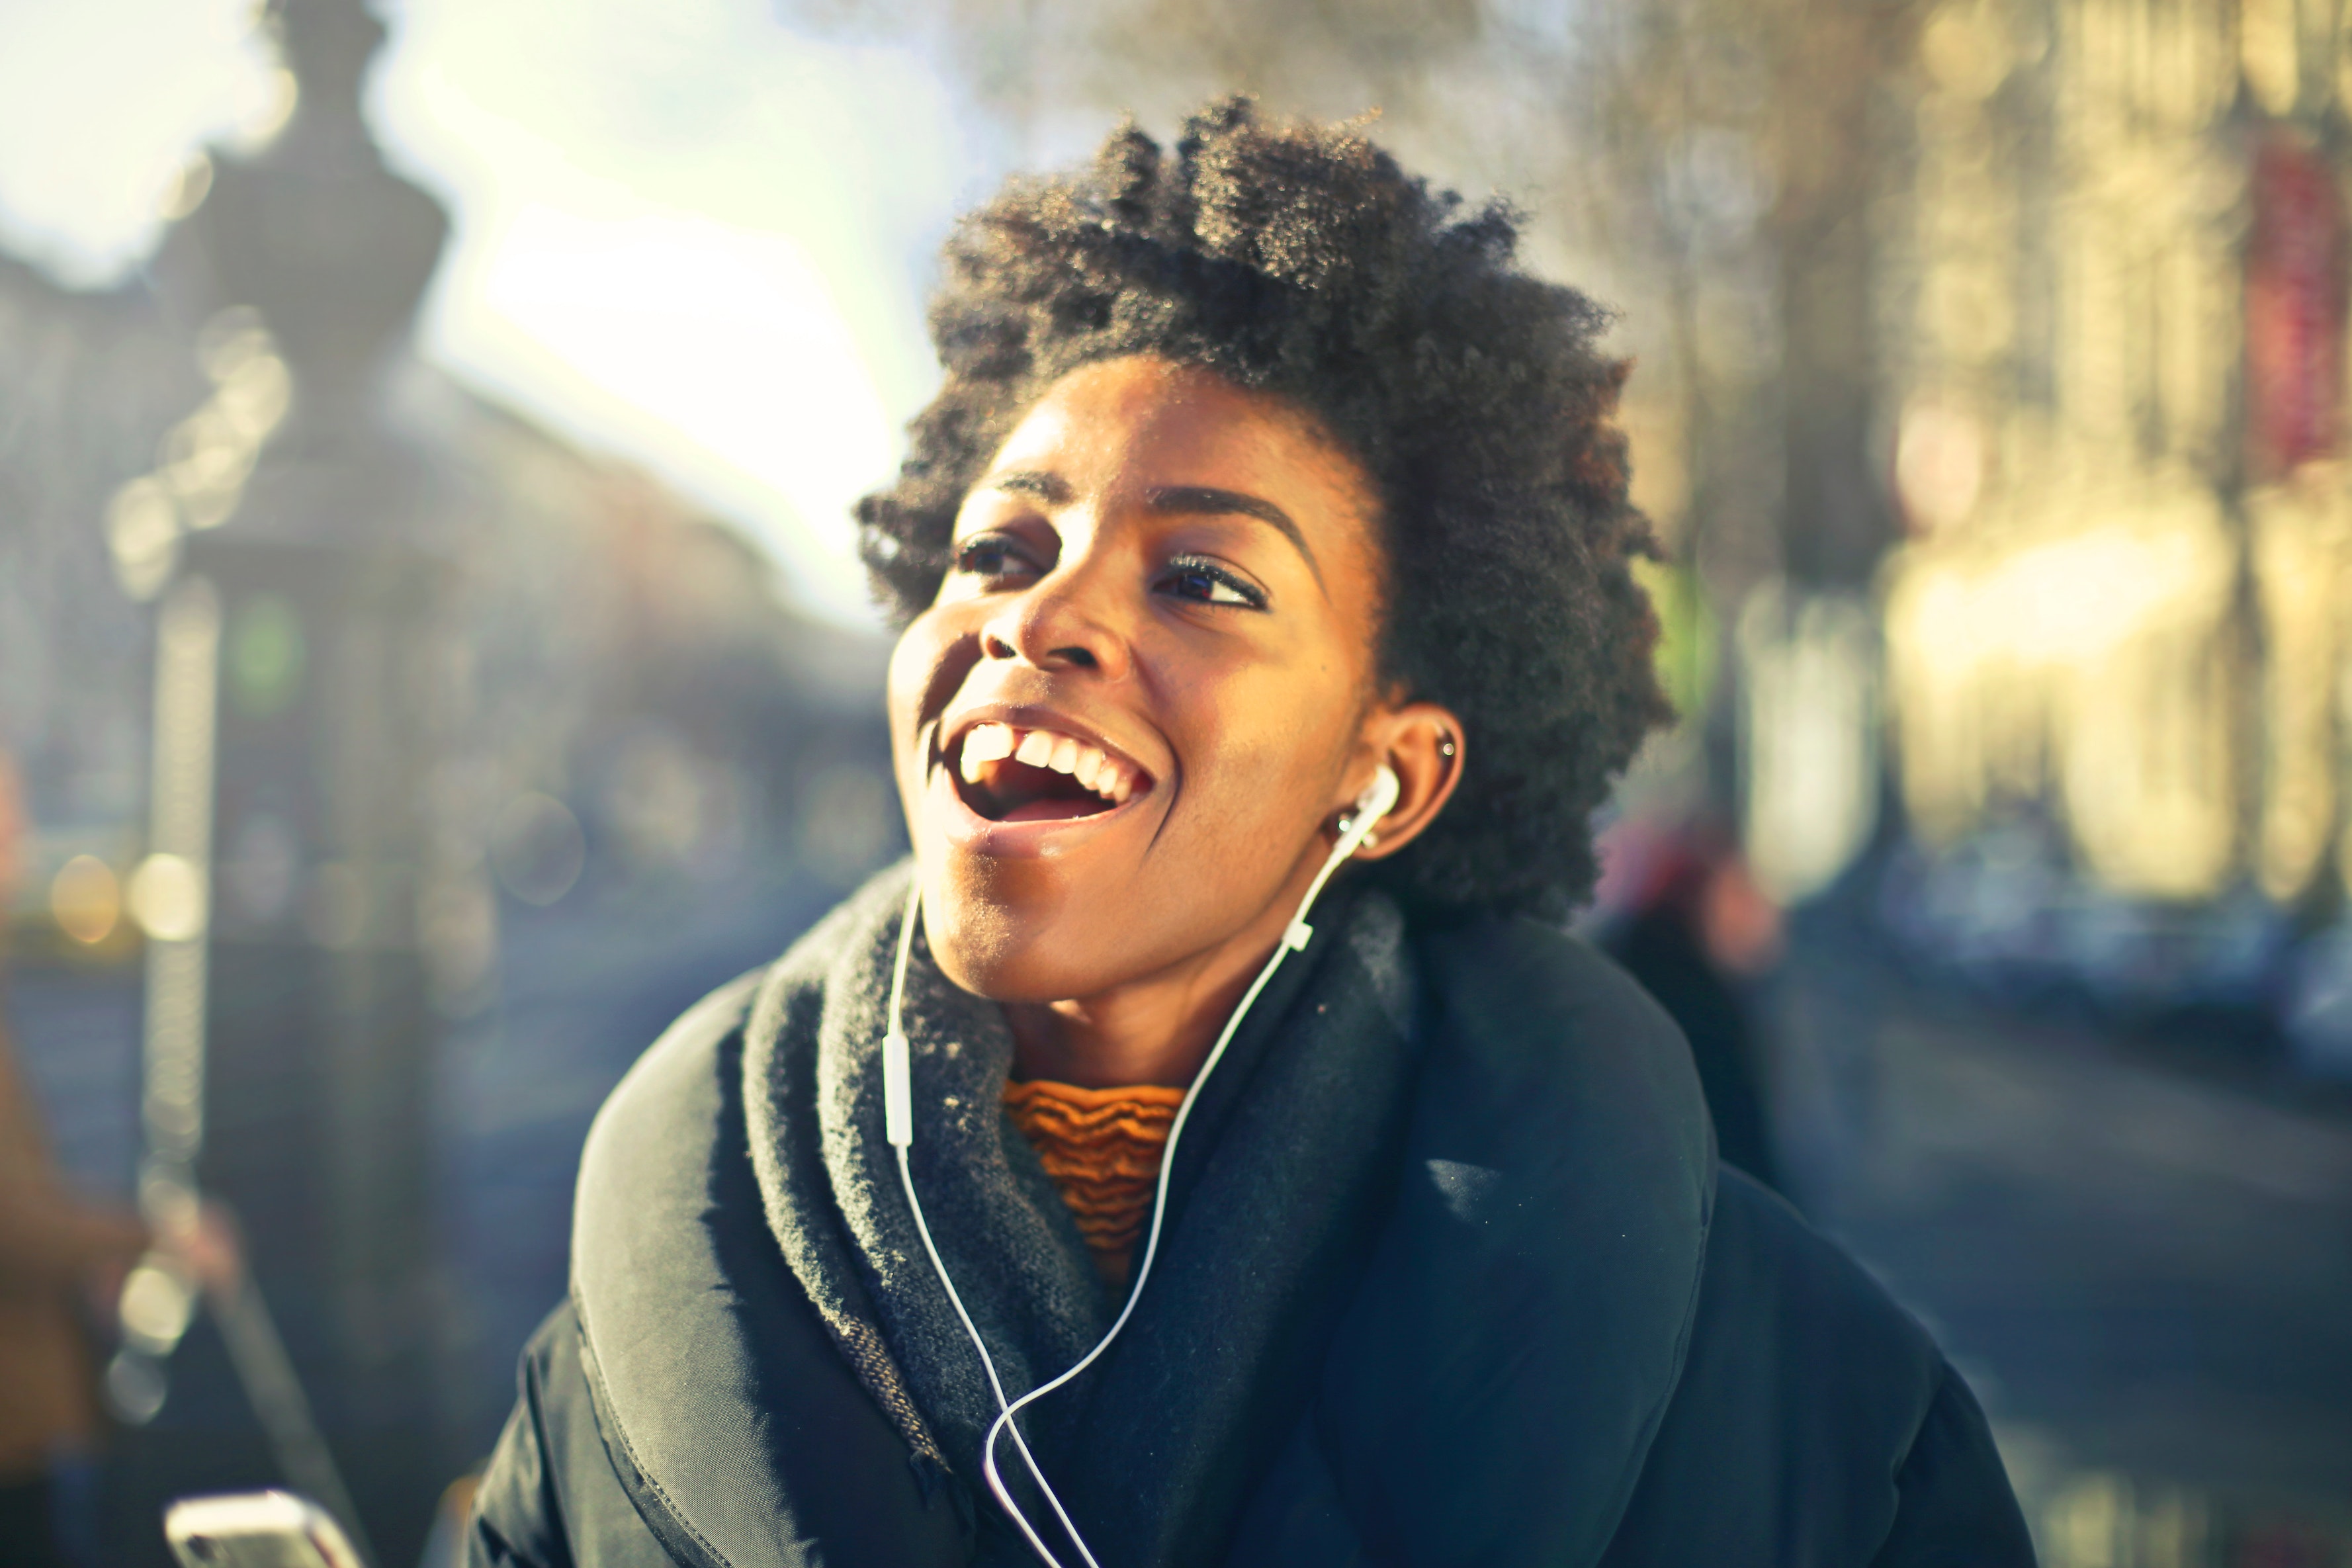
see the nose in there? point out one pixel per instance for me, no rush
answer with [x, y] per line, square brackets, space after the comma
[1064, 621]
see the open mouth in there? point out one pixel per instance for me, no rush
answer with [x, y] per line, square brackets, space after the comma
[1010, 774]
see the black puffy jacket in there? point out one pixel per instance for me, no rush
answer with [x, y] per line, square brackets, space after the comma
[1618, 1354]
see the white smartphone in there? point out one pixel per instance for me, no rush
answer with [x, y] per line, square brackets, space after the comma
[257, 1530]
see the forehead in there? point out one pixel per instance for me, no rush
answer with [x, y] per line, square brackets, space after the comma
[1147, 422]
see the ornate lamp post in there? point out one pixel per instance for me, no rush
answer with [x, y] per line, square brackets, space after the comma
[289, 1034]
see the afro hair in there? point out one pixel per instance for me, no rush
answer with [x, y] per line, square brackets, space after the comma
[1302, 260]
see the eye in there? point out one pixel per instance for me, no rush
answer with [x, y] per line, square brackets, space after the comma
[1205, 582]
[993, 555]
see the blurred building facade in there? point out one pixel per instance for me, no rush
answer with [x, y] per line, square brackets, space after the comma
[2117, 408]
[1993, 410]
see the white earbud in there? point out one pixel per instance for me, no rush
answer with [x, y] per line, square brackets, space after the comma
[1380, 798]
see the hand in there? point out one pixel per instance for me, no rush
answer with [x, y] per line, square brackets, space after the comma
[208, 1247]
[102, 1291]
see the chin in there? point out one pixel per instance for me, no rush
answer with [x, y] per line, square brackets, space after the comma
[1028, 867]
[1003, 937]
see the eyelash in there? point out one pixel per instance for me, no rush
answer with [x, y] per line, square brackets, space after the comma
[968, 554]
[1194, 569]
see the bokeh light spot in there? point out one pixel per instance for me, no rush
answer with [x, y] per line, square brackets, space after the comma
[167, 897]
[537, 848]
[265, 655]
[86, 899]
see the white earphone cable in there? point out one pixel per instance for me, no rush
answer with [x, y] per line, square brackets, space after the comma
[898, 1124]
[897, 1117]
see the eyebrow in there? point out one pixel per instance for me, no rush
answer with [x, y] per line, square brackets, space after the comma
[1050, 488]
[1173, 500]
[1202, 501]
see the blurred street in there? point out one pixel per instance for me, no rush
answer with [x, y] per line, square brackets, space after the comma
[2141, 1255]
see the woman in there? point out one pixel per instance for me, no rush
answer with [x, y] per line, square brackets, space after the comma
[1258, 472]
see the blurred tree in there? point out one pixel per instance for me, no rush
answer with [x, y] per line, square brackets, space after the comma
[1736, 149]
[1707, 165]
[1159, 58]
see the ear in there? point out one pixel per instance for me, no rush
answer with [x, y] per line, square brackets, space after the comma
[1423, 743]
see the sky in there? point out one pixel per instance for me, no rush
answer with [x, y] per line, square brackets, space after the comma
[682, 235]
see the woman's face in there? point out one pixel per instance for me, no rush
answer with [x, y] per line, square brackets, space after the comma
[1123, 727]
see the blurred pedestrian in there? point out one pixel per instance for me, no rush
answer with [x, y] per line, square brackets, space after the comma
[61, 1259]
[1691, 925]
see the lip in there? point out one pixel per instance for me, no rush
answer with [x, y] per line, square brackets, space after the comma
[967, 830]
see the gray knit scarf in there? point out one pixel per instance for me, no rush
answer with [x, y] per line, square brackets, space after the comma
[1284, 1168]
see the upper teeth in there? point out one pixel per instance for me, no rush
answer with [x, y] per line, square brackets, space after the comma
[1092, 767]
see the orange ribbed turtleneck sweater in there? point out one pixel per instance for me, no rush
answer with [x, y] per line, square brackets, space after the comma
[1102, 1148]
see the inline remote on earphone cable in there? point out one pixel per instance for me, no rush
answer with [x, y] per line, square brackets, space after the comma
[1380, 798]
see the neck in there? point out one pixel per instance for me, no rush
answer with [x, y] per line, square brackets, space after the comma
[1159, 1028]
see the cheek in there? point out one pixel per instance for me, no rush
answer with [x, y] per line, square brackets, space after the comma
[911, 662]
[918, 665]
[1265, 760]
[926, 656]
[900, 707]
